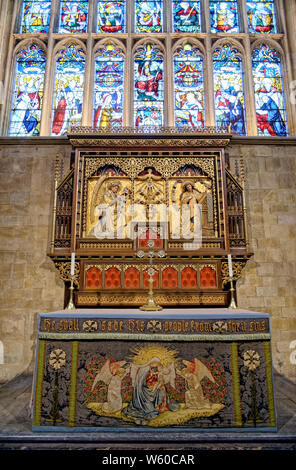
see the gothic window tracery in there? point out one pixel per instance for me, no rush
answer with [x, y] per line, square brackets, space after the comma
[164, 68]
[269, 96]
[228, 89]
[189, 89]
[28, 91]
[148, 86]
[68, 88]
[108, 86]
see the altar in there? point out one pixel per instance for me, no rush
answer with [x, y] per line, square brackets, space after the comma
[150, 236]
[176, 370]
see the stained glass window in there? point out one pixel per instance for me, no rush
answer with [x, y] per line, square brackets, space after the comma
[269, 94]
[108, 91]
[224, 16]
[111, 16]
[229, 95]
[73, 16]
[186, 16]
[68, 89]
[35, 16]
[149, 16]
[261, 16]
[148, 82]
[189, 85]
[28, 92]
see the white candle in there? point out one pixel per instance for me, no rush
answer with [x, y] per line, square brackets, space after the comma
[72, 264]
[230, 266]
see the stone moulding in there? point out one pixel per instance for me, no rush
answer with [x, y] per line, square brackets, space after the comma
[81, 136]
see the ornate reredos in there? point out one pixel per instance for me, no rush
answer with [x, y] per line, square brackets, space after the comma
[115, 171]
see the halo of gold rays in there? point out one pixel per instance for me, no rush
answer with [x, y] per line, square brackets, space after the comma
[143, 354]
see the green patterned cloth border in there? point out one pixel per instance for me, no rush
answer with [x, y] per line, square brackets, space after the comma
[154, 337]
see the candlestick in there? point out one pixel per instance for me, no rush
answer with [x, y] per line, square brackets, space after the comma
[151, 304]
[71, 305]
[230, 266]
[72, 264]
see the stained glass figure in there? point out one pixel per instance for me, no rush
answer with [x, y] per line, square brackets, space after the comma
[189, 85]
[148, 91]
[148, 16]
[269, 94]
[28, 92]
[224, 16]
[228, 86]
[108, 88]
[261, 16]
[35, 16]
[186, 16]
[111, 16]
[73, 16]
[68, 89]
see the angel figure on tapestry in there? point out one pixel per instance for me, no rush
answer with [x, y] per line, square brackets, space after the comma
[108, 212]
[150, 397]
[112, 375]
[193, 373]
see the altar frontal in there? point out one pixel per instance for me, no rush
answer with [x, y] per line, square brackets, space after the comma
[193, 370]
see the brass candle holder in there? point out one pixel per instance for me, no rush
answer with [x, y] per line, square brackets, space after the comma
[71, 305]
[151, 304]
[232, 304]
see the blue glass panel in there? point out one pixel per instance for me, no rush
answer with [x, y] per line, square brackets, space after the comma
[148, 91]
[269, 94]
[108, 88]
[68, 89]
[189, 85]
[35, 16]
[28, 92]
[228, 84]
[261, 16]
[224, 16]
[111, 16]
[186, 16]
[149, 16]
[73, 16]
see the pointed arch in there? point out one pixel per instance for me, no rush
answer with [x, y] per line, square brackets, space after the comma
[229, 88]
[269, 89]
[27, 97]
[109, 67]
[68, 86]
[189, 100]
[148, 84]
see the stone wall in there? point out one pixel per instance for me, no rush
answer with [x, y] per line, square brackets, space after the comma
[30, 284]
[28, 279]
[269, 280]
